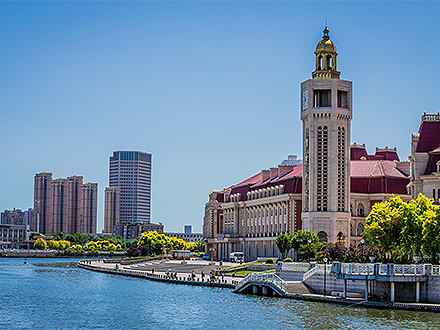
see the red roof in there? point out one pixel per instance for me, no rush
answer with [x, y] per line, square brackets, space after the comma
[375, 168]
[429, 136]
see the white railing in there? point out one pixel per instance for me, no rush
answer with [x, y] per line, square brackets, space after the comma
[318, 269]
[383, 269]
[278, 282]
[358, 269]
[435, 270]
[295, 266]
[409, 270]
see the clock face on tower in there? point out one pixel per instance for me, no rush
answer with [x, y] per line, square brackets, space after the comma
[305, 99]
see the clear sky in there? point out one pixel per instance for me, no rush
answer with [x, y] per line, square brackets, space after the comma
[210, 88]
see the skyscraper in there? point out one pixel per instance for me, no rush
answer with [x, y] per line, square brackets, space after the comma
[111, 213]
[131, 171]
[89, 198]
[66, 205]
[42, 202]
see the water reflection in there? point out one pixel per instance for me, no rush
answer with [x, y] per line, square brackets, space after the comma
[56, 292]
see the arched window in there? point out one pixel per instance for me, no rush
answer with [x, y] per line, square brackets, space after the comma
[351, 209]
[361, 210]
[360, 229]
[329, 62]
[322, 236]
[351, 230]
[320, 63]
[340, 237]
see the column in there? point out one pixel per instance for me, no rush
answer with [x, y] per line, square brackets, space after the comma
[366, 288]
[417, 292]
[392, 291]
[345, 288]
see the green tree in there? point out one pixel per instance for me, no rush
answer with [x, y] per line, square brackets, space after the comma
[77, 239]
[283, 243]
[54, 245]
[403, 230]
[300, 243]
[40, 244]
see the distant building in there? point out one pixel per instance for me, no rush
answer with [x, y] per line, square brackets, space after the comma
[131, 171]
[12, 235]
[132, 230]
[187, 235]
[292, 160]
[111, 210]
[16, 217]
[65, 204]
[43, 202]
[89, 200]
[187, 229]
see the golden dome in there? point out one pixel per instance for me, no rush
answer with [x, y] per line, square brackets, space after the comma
[325, 45]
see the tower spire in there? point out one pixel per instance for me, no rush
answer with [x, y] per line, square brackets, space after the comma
[325, 58]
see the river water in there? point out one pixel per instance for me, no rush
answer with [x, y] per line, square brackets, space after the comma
[55, 294]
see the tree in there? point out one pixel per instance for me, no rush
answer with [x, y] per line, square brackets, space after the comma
[283, 242]
[40, 244]
[78, 238]
[54, 245]
[302, 237]
[403, 230]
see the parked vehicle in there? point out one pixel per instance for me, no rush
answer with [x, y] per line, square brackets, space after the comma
[206, 257]
[236, 256]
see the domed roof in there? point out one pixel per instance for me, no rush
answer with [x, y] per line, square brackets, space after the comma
[325, 44]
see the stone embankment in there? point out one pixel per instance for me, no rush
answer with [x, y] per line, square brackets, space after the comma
[164, 271]
[182, 273]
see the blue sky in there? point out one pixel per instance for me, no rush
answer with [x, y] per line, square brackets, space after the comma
[210, 88]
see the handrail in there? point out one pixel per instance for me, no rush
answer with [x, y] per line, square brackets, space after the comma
[310, 273]
[278, 282]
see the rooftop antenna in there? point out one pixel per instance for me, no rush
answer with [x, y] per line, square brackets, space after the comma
[326, 22]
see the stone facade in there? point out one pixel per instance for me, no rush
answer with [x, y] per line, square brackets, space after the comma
[331, 193]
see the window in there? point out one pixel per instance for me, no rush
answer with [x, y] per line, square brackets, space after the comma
[361, 210]
[322, 236]
[322, 98]
[343, 99]
[322, 169]
[360, 229]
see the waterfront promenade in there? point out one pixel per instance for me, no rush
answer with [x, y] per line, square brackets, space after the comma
[160, 270]
[164, 271]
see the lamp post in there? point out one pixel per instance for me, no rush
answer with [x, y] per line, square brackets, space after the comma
[310, 242]
[325, 273]
[212, 255]
[362, 249]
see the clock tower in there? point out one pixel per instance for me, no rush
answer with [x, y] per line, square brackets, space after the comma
[326, 113]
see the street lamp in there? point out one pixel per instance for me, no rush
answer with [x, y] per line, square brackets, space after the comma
[212, 255]
[310, 242]
[325, 273]
[362, 249]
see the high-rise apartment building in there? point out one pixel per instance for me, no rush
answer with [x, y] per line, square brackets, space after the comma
[42, 202]
[131, 172]
[59, 206]
[65, 204]
[111, 213]
[89, 192]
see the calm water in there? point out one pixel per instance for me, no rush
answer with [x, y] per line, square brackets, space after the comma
[55, 294]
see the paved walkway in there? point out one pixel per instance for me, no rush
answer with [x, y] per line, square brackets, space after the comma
[165, 271]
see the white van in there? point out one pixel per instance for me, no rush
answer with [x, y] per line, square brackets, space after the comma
[236, 256]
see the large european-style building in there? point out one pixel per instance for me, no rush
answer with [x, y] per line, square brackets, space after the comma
[334, 189]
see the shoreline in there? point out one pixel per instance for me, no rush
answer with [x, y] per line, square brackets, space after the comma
[230, 283]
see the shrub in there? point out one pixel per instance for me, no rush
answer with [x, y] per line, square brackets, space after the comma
[288, 260]
[40, 244]
[269, 261]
